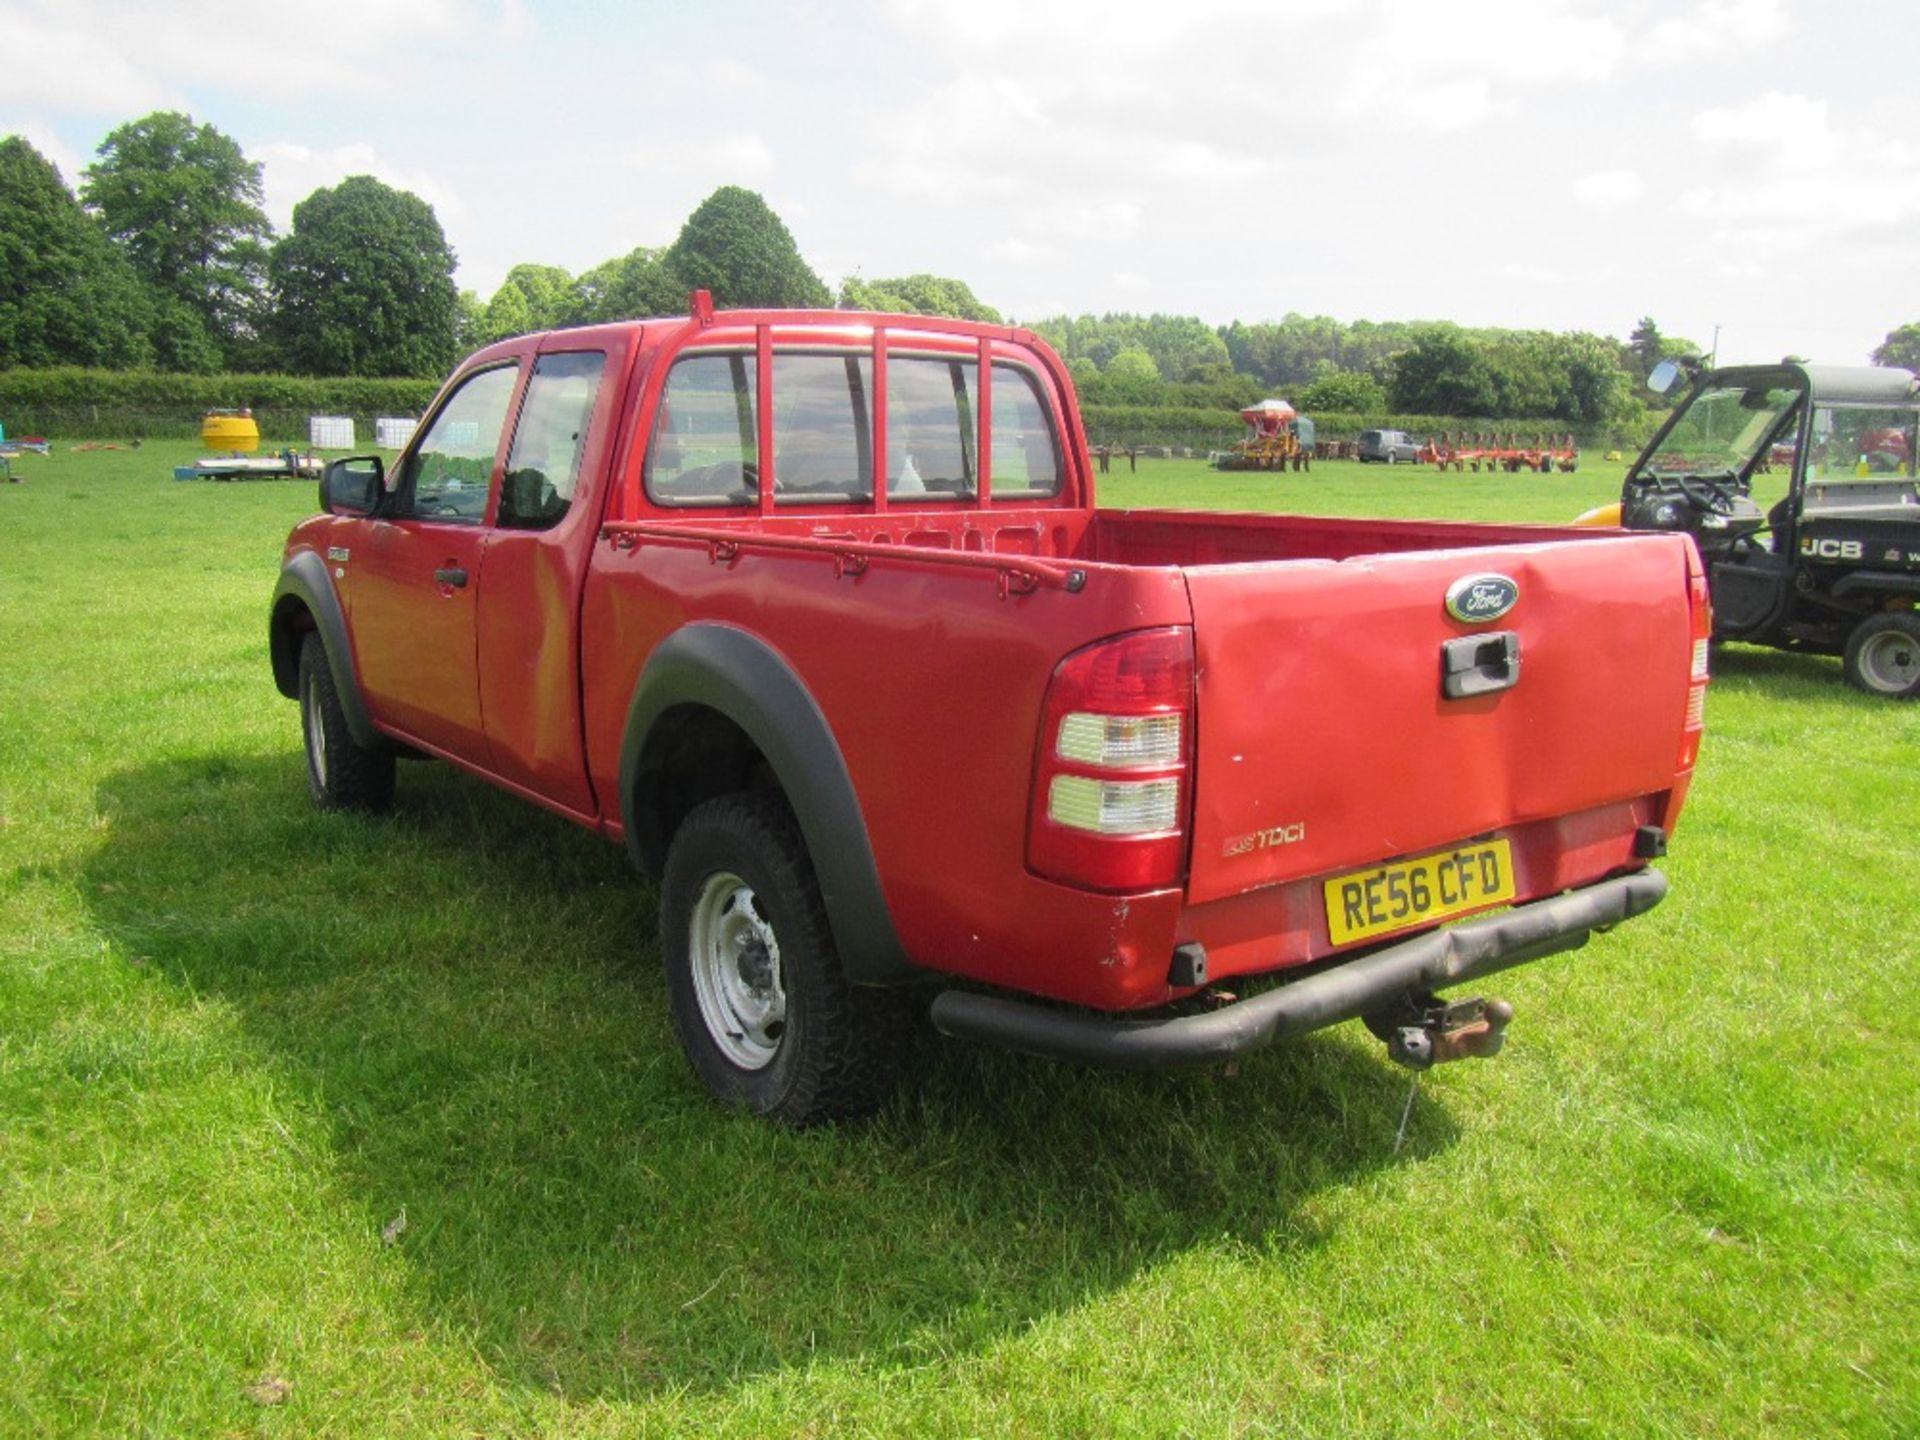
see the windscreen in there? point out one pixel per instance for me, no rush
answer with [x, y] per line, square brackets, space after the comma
[1722, 429]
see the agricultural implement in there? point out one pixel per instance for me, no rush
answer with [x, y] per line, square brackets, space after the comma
[1278, 436]
[1512, 453]
[285, 465]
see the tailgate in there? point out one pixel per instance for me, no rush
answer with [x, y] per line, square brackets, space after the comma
[1324, 738]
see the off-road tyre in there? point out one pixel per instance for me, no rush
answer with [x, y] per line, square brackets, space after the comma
[1883, 655]
[342, 774]
[838, 1046]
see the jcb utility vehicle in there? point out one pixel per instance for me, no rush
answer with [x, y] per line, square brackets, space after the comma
[1833, 567]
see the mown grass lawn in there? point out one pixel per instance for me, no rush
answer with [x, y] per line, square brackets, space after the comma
[239, 1040]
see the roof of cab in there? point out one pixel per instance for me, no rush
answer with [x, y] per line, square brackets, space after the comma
[1861, 384]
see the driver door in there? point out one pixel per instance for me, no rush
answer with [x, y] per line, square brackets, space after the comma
[415, 571]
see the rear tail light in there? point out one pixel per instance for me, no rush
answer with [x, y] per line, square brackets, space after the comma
[1700, 614]
[1113, 780]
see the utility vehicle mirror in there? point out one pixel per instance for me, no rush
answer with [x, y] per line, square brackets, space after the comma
[1660, 379]
[351, 486]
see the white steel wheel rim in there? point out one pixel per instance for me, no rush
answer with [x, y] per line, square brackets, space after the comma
[316, 736]
[735, 959]
[1890, 660]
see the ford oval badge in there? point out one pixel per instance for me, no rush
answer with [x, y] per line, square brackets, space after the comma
[1479, 599]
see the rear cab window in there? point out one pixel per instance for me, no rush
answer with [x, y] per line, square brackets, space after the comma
[704, 450]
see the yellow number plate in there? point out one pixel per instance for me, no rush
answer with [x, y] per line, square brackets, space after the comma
[1394, 897]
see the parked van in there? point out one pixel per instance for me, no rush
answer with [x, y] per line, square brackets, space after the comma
[1388, 447]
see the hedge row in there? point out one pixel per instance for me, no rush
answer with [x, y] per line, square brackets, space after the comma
[1217, 429]
[79, 404]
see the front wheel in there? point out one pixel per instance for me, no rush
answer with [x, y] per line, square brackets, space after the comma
[762, 1010]
[1883, 655]
[342, 774]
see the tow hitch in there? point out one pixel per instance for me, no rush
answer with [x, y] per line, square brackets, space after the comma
[1424, 1031]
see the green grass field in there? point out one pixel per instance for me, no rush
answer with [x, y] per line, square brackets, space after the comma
[239, 1039]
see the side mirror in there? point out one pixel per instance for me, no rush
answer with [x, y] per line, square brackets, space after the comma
[352, 486]
[1660, 379]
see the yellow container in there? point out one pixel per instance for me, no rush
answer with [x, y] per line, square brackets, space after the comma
[231, 430]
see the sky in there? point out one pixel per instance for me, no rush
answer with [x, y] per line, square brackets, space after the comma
[1746, 169]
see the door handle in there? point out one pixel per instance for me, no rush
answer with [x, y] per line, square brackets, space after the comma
[452, 575]
[1479, 664]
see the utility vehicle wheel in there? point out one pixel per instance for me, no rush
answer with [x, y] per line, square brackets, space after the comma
[341, 773]
[754, 984]
[1883, 655]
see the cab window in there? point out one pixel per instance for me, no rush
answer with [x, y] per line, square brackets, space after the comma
[451, 470]
[705, 448]
[930, 427]
[1863, 442]
[543, 467]
[822, 429]
[1026, 455]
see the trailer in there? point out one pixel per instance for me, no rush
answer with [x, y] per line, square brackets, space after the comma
[1512, 453]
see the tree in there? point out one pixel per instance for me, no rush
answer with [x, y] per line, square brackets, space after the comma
[1647, 346]
[1901, 348]
[736, 247]
[1129, 378]
[549, 292]
[469, 320]
[532, 297]
[67, 297]
[1443, 372]
[1344, 393]
[182, 203]
[507, 314]
[363, 284]
[633, 286]
[916, 295]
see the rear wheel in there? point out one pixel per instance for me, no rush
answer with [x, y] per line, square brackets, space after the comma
[765, 1015]
[1883, 655]
[342, 774]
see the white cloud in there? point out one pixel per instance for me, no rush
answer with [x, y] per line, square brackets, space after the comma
[1437, 70]
[1608, 189]
[1789, 180]
[1774, 128]
[728, 74]
[56, 65]
[1018, 251]
[98, 57]
[727, 158]
[1129, 283]
[1716, 29]
[1088, 121]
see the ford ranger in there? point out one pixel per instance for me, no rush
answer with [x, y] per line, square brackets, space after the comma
[815, 612]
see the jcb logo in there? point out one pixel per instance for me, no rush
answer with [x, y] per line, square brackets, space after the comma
[1831, 549]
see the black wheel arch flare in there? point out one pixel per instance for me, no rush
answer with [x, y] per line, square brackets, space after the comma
[305, 584]
[741, 677]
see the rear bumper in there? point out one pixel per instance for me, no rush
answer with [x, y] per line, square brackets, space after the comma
[1345, 991]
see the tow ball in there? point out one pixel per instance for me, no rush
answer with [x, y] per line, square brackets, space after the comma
[1424, 1031]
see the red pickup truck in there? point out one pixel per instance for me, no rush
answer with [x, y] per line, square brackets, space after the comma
[815, 612]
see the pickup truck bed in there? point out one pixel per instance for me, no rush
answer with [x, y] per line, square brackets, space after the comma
[1315, 640]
